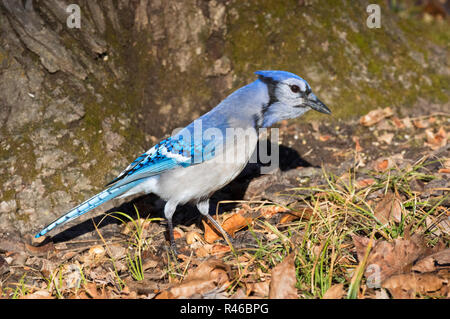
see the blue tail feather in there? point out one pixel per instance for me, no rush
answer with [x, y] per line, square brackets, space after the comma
[88, 205]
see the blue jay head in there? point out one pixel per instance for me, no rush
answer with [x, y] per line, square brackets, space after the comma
[289, 97]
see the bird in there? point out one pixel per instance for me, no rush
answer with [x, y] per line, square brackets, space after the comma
[193, 163]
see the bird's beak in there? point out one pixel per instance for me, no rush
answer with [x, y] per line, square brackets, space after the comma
[316, 104]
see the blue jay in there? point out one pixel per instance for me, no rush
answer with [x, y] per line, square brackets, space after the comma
[189, 166]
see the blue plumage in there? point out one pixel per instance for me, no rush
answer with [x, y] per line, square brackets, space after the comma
[88, 205]
[200, 159]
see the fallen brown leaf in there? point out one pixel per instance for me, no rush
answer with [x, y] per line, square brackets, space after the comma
[177, 233]
[299, 213]
[388, 258]
[202, 252]
[408, 285]
[447, 163]
[375, 116]
[260, 289]
[315, 125]
[96, 251]
[398, 123]
[210, 274]
[142, 287]
[231, 225]
[444, 225]
[421, 123]
[239, 294]
[39, 250]
[358, 147]
[91, 289]
[40, 294]
[436, 140]
[365, 182]
[386, 138]
[269, 211]
[116, 251]
[408, 123]
[324, 138]
[335, 292]
[389, 208]
[382, 165]
[48, 267]
[165, 295]
[433, 262]
[220, 249]
[192, 237]
[283, 280]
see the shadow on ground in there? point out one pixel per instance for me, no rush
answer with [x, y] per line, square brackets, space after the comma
[151, 206]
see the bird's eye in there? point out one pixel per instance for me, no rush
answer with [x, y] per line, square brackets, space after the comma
[295, 88]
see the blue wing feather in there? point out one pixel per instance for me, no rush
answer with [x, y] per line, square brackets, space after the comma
[88, 205]
[168, 154]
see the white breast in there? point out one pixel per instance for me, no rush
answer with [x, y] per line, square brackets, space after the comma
[199, 181]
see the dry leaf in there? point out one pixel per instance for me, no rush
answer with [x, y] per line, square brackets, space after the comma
[91, 290]
[298, 213]
[178, 233]
[382, 165]
[40, 294]
[421, 123]
[358, 147]
[324, 138]
[365, 182]
[398, 123]
[95, 255]
[315, 125]
[388, 258]
[209, 275]
[283, 280]
[97, 251]
[444, 225]
[408, 285]
[231, 225]
[335, 292]
[239, 294]
[203, 251]
[116, 251]
[269, 211]
[220, 249]
[260, 289]
[433, 262]
[375, 116]
[165, 295]
[192, 237]
[151, 263]
[141, 287]
[39, 250]
[389, 208]
[386, 138]
[447, 163]
[48, 267]
[407, 122]
[435, 141]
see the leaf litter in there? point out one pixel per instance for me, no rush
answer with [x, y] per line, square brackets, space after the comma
[391, 184]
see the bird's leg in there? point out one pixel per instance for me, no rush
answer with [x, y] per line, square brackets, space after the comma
[173, 245]
[169, 210]
[203, 207]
